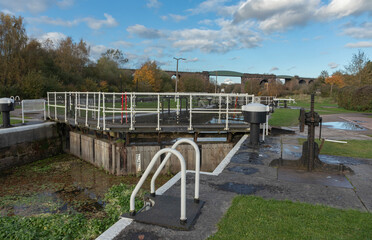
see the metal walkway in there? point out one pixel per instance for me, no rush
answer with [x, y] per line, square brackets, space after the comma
[151, 112]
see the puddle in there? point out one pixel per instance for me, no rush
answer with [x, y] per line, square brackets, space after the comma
[344, 126]
[239, 119]
[248, 157]
[245, 189]
[244, 170]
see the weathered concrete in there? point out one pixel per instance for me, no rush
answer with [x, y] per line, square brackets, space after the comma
[25, 144]
[119, 160]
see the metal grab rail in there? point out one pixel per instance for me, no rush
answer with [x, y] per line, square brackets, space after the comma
[183, 218]
[197, 167]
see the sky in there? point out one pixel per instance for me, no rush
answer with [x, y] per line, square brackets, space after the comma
[282, 37]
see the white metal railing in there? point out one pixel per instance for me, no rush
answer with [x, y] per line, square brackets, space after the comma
[197, 167]
[183, 217]
[98, 109]
[32, 106]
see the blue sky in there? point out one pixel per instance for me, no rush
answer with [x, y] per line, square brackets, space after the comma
[282, 37]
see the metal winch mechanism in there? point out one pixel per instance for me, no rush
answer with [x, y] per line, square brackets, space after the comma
[6, 105]
[309, 159]
[163, 210]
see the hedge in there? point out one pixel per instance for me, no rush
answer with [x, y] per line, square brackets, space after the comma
[355, 98]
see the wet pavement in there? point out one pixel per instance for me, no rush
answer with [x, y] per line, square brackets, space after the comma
[248, 173]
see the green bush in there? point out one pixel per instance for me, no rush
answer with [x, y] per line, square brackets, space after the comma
[355, 98]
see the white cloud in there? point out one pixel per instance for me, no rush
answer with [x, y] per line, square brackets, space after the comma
[6, 11]
[333, 65]
[343, 8]
[364, 44]
[97, 24]
[153, 4]
[164, 18]
[177, 18]
[144, 32]
[205, 22]
[228, 81]
[91, 22]
[274, 69]
[65, 3]
[228, 37]
[364, 31]
[195, 59]
[122, 43]
[51, 21]
[33, 6]
[273, 15]
[97, 50]
[55, 37]
[214, 6]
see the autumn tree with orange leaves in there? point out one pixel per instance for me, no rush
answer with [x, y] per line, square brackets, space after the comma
[148, 77]
[335, 79]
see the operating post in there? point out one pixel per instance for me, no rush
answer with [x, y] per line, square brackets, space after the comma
[177, 59]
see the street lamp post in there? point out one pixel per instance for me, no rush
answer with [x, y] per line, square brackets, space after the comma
[177, 71]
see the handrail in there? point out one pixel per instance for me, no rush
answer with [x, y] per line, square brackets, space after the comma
[183, 218]
[102, 107]
[197, 167]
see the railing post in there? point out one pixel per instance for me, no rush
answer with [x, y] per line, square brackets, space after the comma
[94, 106]
[190, 118]
[44, 110]
[158, 128]
[65, 106]
[99, 110]
[103, 111]
[23, 114]
[113, 107]
[76, 107]
[227, 113]
[55, 105]
[178, 107]
[86, 110]
[219, 108]
[48, 106]
[79, 103]
[131, 112]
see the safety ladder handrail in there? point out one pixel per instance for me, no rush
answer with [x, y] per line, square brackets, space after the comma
[183, 218]
[197, 167]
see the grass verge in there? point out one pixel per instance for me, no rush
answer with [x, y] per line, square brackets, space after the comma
[251, 217]
[284, 117]
[353, 148]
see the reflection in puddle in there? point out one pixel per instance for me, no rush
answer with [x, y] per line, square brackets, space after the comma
[239, 119]
[344, 126]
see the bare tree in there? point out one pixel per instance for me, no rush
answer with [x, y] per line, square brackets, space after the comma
[357, 63]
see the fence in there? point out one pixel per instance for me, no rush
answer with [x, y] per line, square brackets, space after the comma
[102, 110]
[32, 106]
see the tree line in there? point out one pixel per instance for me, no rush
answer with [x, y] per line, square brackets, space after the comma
[30, 68]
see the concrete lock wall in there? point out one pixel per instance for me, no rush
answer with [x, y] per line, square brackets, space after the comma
[120, 160]
[25, 144]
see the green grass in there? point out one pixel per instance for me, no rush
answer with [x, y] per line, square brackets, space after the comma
[322, 105]
[251, 217]
[353, 148]
[65, 226]
[284, 117]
